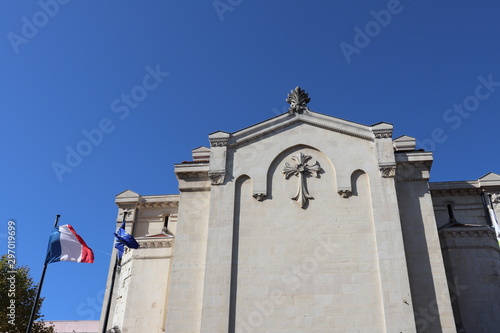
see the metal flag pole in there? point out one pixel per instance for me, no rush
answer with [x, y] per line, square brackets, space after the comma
[33, 311]
[111, 287]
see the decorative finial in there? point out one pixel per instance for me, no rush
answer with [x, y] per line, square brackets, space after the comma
[298, 100]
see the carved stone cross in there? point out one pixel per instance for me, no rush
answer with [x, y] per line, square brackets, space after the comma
[301, 170]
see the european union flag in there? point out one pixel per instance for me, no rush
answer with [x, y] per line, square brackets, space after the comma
[124, 238]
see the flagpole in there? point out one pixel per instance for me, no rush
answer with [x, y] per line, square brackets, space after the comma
[33, 311]
[492, 209]
[111, 287]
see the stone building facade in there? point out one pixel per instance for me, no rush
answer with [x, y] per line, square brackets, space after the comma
[309, 223]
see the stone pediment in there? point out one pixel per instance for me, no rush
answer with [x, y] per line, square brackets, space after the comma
[201, 153]
[127, 196]
[490, 179]
[404, 143]
[282, 122]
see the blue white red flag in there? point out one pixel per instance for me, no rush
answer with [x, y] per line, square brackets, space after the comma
[66, 245]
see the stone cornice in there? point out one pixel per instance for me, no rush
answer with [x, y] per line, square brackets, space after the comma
[158, 204]
[156, 242]
[472, 247]
[149, 201]
[195, 189]
[456, 192]
[192, 175]
[463, 232]
[143, 258]
[402, 180]
[382, 130]
[383, 135]
[192, 171]
[219, 139]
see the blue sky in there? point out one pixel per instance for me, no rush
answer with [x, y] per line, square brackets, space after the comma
[73, 69]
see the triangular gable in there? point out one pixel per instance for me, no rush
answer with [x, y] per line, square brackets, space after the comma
[404, 143]
[127, 196]
[201, 153]
[283, 121]
[490, 179]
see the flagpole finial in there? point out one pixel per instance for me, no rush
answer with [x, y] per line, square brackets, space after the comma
[57, 220]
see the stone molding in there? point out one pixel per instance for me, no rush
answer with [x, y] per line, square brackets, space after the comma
[219, 143]
[382, 131]
[456, 192]
[299, 120]
[472, 247]
[404, 143]
[219, 139]
[158, 204]
[402, 180]
[463, 233]
[191, 175]
[144, 258]
[383, 135]
[155, 243]
[194, 189]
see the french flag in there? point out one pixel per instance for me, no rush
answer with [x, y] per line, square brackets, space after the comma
[66, 245]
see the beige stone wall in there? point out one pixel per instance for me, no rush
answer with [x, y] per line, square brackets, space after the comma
[257, 248]
[467, 208]
[472, 258]
[310, 269]
[142, 286]
[139, 296]
[188, 266]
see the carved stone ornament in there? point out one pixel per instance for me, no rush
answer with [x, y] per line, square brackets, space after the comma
[217, 178]
[383, 135]
[388, 171]
[301, 170]
[259, 196]
[298, 100]
[219, 143]
[345, 193]
[495, 198]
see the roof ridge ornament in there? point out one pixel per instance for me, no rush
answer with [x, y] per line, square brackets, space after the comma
[298, 100]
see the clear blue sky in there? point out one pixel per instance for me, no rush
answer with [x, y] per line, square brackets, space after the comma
[67, 71]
